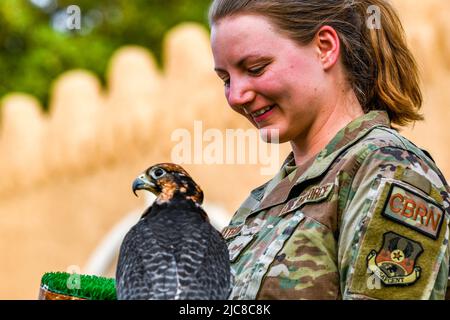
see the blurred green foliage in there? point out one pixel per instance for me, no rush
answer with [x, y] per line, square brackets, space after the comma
[36, 46]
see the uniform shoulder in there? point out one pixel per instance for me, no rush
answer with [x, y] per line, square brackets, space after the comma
[392, 190]
[383, 138]
[384, 152]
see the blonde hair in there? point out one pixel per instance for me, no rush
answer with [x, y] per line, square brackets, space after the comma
[380, 68]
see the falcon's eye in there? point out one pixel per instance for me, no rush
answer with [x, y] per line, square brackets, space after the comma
[157, 173]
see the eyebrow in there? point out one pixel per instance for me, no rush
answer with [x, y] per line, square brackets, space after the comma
[242, 61]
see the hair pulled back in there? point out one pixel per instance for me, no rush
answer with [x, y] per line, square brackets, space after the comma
[380, 68]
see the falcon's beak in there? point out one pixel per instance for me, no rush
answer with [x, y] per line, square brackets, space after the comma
[143, 183]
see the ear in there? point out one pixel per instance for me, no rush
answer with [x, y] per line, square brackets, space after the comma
[328, 46]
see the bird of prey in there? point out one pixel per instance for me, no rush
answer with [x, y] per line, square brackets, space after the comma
[173, 252]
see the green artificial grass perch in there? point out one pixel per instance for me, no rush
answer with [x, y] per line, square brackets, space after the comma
[65, 286]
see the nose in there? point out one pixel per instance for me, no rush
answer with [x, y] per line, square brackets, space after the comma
[240, 93]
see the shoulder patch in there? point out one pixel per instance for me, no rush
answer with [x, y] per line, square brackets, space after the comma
[395, 263]
[399, 225]
[414, 211]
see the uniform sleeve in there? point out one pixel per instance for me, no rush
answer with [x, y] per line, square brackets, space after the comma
[393, 241]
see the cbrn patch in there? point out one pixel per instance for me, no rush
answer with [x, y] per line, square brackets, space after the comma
[414, 211]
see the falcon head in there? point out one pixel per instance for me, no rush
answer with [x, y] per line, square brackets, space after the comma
[167, 181]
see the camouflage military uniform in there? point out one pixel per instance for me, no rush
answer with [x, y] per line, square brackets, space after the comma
[366, 219]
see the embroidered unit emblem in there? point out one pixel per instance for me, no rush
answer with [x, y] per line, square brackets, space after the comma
[395, 263]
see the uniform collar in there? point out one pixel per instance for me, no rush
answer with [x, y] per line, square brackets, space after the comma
[286, 169]
[344, 139]
[314, 168]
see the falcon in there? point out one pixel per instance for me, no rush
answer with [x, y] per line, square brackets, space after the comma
[173, 252]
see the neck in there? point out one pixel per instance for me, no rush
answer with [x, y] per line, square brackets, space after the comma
[336, 116]
[180, 201]
[174, 197]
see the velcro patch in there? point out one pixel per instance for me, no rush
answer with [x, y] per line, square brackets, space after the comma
[394, 260]
[414, 211]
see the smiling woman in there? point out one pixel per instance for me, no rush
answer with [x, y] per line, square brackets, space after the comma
[298, 95]
[332, 80]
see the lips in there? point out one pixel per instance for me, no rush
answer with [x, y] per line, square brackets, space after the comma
[263, 113]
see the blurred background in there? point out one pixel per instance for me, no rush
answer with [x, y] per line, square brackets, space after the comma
[87, 105]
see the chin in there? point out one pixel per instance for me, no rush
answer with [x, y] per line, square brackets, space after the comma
[273, 135]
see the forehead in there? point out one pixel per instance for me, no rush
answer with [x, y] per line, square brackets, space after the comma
[245, 34]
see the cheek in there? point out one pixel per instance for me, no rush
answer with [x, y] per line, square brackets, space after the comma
[276, 85]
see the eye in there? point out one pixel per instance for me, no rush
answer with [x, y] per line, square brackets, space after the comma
[226, 82]
[224, 76]
[256, 70]
[157, 173]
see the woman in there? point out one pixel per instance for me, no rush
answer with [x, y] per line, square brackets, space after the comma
[357, 211]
